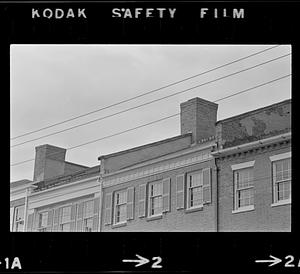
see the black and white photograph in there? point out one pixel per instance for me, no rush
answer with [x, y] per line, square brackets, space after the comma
[169, 122]
[151, 138]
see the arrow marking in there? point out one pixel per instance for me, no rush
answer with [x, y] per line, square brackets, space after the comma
[140, 262]
[274, 261]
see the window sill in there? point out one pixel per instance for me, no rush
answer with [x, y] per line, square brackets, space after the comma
[283, 202]
[119, 225]
[193, 209]
[243, 209]
[154, 217]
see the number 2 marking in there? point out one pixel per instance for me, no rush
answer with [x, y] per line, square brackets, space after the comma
[290, 259]
[156, 264]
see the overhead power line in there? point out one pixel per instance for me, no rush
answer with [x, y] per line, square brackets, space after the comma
[150, 102]
[144, 94]
[159, 120]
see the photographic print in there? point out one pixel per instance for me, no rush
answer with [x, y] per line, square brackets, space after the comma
[168, 122]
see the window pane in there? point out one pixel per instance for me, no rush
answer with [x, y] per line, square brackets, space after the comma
[65, 227]
[19, 213]
[43, 219]
[244, 178]
[156, 205]
[195, 180]
[88, 225]
[196, 196]
[245, 197]
[284, 190]
[88, 209]
[66, 214]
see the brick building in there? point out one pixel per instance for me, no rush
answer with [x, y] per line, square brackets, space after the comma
[228, 175]
[254, 170]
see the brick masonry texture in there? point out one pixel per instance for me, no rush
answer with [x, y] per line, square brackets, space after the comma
[263, 217]
[262, 123]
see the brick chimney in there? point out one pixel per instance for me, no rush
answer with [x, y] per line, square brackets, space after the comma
[199, 117]
[49, 162]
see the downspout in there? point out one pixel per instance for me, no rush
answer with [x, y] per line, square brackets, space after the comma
[25, 210]
[100, 180]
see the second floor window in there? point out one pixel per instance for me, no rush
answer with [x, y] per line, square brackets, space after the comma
[88, 211]
[120, 207]
[65, 219]
[243, 188]
[43, 220]
[19, 218]
[155, 198]
[282, 174]
[194, 189]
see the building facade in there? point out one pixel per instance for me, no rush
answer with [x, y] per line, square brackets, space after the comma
[228, 175]
[254, 170]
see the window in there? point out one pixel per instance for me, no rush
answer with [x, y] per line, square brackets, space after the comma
[88, 211]
[155, 198]
[43, 220]
[65, 224]
[194, 190]
[243, 188]
[120, 210]
[282, 174]
[19, 218]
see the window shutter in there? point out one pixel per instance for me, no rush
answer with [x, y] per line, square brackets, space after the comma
[96, 214]
[30, 222]
[206, 185]
[180, 184]
[79, 222]
[36, 222]
[73, 217]
[56, 220]
[166, 194]
[275, 194]
[108, 209]
[49, 220]
[142, 200]
[130, 203]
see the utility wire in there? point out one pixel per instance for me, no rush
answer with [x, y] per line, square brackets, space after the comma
[159, 120]
[150, 102]
[144, 94]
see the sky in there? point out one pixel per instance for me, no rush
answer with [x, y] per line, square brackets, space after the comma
[52, 83]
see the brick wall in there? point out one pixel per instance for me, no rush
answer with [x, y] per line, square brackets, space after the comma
[198, 116]
[251, 126]
[174, 220]
[263, 217]
[130, 157]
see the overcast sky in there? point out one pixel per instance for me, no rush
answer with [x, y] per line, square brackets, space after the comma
[51, 83]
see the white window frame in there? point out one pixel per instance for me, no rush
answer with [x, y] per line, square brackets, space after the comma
[275, 159]
[42, 228]
[189, 189]
[236, 190]
[86, 217]
[116, 205]
[151, 197]
[61, 222]
[21, 220]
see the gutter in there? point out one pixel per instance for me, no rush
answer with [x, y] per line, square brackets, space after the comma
[244, 147]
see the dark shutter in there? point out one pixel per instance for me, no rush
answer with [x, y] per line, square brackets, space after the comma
[130, 203]
[206, 185]
[96, 214]
[79, 222]
[142, 200]
[166, 194]
[180, 185]
[56, 220]
[73, 218]
[30, 222]
[49, 220]
[108, 209]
